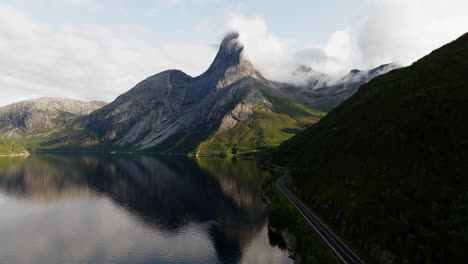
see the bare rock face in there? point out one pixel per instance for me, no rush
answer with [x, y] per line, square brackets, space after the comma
[231, 63]
[174, 107]
[245, 109]
[43, 113]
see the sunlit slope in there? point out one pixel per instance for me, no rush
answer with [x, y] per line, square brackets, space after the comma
[10, 147]
[270, 124]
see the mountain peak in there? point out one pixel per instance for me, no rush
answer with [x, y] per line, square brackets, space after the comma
[302, 69]
[230, 51]
[42, 113]
[230, 64]
[230, 46]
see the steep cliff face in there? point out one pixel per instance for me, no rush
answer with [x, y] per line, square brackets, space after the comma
[229, 65]
[262, 119]
[245, 110]
[174, 112]
[42, 114]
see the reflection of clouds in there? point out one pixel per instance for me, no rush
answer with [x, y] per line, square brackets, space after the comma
[119, 209]
[260, 251]
[92, 230]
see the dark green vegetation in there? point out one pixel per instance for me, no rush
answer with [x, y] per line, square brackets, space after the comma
[389, 166]
[60, 140]
[10, 147]
[309, 248]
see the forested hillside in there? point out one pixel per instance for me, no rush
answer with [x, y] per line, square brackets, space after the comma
[389, 166]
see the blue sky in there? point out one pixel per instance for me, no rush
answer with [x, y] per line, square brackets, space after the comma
[303, 21]
[98, 49]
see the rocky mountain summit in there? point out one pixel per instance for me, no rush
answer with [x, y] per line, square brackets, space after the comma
[174, 112]
[42, 114]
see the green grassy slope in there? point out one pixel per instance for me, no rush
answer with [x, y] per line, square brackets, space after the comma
[389, 166]
[10, 147]
[264, 130]
[66, 138]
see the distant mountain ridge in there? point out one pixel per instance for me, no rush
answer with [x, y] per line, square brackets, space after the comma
[324, 92]
[19, 119]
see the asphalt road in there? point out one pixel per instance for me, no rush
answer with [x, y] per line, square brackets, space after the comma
[341, 250]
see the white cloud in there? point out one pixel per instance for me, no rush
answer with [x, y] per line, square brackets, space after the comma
[398, 31]
[335, 57]
[403, 31]
[268, 52]
[90, 229]
[96, 62]
[87, 62]
[277, 60]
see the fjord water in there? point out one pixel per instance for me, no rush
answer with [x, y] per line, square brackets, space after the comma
[70, 208]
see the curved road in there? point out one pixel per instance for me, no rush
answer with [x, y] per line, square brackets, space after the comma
[340, 249]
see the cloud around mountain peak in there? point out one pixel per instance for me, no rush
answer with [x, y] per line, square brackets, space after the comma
[396, 31]
[231, 44]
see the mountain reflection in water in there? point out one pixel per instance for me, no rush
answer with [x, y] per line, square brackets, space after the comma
[73, 208]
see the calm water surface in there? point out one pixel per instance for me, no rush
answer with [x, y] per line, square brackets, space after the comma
[133, 209]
